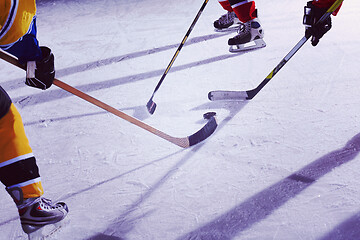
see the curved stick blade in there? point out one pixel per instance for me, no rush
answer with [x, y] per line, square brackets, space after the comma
[204, 132]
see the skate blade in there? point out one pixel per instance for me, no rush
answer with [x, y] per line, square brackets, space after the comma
[47, 231]
[258, 43]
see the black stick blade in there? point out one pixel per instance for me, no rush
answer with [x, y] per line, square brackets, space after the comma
[204, 132]
[151, 106]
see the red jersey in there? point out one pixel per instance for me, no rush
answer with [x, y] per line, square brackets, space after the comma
[325, 4]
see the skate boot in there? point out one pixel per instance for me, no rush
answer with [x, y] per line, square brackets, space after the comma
[36, 213]
[250, 36]
[225, 22]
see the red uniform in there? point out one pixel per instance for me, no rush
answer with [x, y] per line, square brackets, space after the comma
[245, 9]
[325, 4]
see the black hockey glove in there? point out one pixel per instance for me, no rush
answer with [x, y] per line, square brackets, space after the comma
[40, 74]
[312, 14]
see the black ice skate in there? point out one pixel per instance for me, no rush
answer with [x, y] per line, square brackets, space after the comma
[36, 213]
[225, 22]
[250, 36]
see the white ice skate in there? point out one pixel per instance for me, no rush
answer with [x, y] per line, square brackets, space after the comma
[227, 22]
[250, 36]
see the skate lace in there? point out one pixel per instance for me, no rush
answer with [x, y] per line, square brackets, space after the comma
[47, 204]
[226, 18]
[242, 30]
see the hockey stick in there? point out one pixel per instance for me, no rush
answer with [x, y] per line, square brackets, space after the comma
[151, 105]
[184, 142]
[250, 94]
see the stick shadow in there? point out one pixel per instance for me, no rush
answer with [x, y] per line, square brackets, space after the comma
[139, 112]
[52, 95]
[261, 205]
[17, 83]
[128, 219]
[70, 195]
[99, 184]
[348, 230]
[125, 223]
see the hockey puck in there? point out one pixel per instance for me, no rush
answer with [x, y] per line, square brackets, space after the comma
[208, 115]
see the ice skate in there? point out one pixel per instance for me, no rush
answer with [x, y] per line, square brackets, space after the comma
[37, 213]
[226, 22]
[250, 36]
[40, 213]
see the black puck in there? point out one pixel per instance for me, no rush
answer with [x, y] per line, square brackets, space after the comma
[208, 115]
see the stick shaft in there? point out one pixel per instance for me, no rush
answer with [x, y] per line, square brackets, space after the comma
[180, 47]
[182, 142]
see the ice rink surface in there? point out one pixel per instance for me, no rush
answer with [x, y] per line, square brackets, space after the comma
[282, 166]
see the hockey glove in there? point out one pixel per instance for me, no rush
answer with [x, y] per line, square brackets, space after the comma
[312, 15]
[40, 74]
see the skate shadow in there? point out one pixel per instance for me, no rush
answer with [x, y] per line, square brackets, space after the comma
[348, 230]
[258, 207]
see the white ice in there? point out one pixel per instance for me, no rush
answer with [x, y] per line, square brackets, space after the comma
[282, 166]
